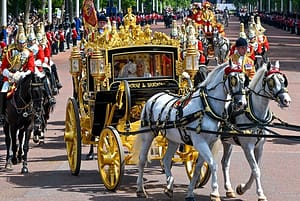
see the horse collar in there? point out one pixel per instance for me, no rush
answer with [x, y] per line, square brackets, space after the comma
[207, 109]
[250, 114]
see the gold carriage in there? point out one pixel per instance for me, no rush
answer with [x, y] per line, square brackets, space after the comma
[108, 96]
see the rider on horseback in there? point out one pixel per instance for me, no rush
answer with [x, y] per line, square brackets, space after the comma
[242, 58]
[46, 45]
[39, 57]
[17, 62]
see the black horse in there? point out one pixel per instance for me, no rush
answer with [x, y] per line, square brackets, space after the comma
[42, 105]
[20, 119]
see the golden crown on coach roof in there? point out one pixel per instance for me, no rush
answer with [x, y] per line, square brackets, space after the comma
[131, 36]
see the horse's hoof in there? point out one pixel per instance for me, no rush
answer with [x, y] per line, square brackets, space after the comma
[215, 198]
[24, 170]
[19, 159]
[230, 194]
[239, 190]
[89, 157]
[36, 139]
[41, 142]
[8, 166]
[168, 192]
[190, 199]
[141, 194]
[14, 161]
[263, 198]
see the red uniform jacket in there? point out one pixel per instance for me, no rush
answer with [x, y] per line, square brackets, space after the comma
[28, 63]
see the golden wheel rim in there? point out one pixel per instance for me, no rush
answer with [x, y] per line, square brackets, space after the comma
[190, 164]
[72, 140]
[110, 158]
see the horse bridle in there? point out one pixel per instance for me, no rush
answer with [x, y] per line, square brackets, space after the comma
[26, 109]
[269, 82]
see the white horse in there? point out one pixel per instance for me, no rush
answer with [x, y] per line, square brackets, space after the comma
[268, 84]
[221, 46]
[184, 120]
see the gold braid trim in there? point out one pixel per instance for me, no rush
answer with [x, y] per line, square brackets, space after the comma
[12, 60]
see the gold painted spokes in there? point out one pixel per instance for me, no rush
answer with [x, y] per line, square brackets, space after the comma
[111, 160]
[72, 136]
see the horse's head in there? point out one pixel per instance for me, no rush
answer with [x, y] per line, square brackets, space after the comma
[275, 84]
[236, 82]
[24, 88]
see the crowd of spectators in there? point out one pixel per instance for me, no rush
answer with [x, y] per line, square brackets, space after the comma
[286, 21]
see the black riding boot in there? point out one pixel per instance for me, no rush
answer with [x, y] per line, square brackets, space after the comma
[48, 93]
[54, 71]
[2, 107]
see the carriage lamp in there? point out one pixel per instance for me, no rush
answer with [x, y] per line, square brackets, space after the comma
[97, 68]
[75, 66]
[190, 60]
[75, 59]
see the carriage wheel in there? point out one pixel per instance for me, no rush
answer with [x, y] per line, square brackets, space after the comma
[190, 164]
[111, 159]
[72, 136]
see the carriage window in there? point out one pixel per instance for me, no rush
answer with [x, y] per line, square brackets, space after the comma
[143, 65]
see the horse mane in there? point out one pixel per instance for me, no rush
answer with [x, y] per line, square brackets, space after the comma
[258, 75]
[212, 75]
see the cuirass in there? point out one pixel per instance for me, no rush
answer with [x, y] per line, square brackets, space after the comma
[18, 59]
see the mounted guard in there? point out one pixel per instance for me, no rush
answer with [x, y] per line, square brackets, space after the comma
[20, 99]
[18, 61]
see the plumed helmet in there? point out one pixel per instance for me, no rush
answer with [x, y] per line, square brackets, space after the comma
[251, 31]
[21, 36]
[31, 35]
[259, 26]
[39, 36]
[242, 31]
[241, 42]
[252, 20]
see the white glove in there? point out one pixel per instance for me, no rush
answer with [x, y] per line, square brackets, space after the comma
[46, 60]
[38, 63]
[39, 74]
[16, 76]
[7, 74]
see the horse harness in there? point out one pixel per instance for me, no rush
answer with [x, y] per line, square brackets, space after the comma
[249, 112]
[181, 121]
[26, 110]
